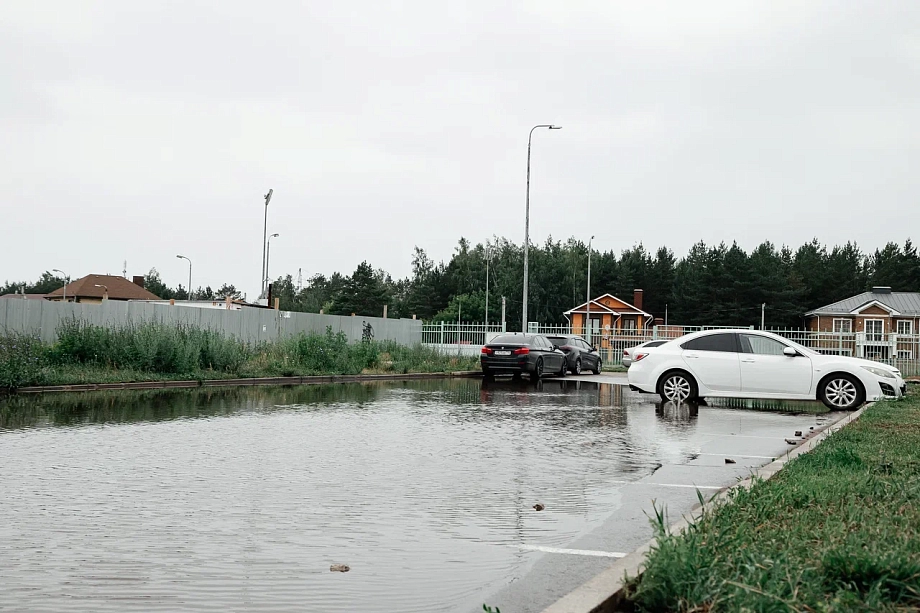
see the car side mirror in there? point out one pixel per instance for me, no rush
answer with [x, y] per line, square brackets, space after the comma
[555, 346]
[789, 351]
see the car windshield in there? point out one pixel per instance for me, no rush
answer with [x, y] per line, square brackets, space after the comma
[510, 339]
[654, 343]
[558, 340]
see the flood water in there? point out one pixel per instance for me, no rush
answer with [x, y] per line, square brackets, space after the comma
[241, 499]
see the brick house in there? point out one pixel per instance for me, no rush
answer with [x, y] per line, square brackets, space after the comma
[610, 317]
[879, 324]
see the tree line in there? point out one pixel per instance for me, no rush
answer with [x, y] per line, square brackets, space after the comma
[711, 285]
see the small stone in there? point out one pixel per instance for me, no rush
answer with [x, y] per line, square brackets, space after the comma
[798, 433]
[538, 507]
[729, 461]
[340, 568]
[791, 441]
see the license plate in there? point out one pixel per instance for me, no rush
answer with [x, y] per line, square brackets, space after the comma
[502, 353]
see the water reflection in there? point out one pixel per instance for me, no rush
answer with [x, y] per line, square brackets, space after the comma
[241, 498]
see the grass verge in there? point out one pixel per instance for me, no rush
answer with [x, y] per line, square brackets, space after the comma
[156, 352]
[838, 529]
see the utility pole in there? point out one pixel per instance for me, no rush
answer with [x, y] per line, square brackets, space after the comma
[588, 292]
[488, 259]
[268, 198]
[762, 309]
[504, 326]
[527, 219]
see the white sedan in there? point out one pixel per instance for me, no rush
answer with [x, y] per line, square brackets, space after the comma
[750, 364]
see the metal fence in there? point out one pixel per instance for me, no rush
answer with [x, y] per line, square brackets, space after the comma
[42, 318]
[899, 350]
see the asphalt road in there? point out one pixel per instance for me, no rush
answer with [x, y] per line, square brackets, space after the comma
[750, 438]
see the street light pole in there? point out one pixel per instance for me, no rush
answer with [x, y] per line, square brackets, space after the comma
[189, 276]
[488, 259]
[268, 198]
[527, 219]
[65, 281]
[105, 295]
[268, 252]
[588, 294]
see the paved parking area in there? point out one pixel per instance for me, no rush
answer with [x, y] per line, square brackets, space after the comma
[749, 438]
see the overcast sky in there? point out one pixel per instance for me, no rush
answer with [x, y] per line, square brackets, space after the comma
[139, 130]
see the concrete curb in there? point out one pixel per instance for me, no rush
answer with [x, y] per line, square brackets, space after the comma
[307, 380]
[605, 592]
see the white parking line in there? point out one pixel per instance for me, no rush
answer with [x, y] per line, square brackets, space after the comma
[576, 552]
[741, 455]
[696, 487]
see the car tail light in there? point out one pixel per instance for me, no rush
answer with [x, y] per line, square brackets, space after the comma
[639, 357]
[625, 354]
[566, 348]
[486, 351]
[522, 351]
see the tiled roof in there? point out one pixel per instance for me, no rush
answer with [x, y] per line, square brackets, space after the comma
[905, 303]
[119, 289]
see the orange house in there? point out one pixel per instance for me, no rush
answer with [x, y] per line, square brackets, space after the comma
[610, 317]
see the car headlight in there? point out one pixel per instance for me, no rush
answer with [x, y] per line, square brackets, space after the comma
[879, 372]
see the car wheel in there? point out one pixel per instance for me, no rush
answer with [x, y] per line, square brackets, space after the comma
[577, 369]
[597, 367]
[537, 370]
[564, 370]
[842, 392]
[677, 386]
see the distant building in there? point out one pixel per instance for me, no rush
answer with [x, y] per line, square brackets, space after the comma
[93, 289]
[610, 316]
[882, 324]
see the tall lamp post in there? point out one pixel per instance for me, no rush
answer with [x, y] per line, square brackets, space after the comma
[182, 257]
[268, 252]
[588, 295]
[66, 278]
[527, 219]
[268, 198]
[488, 259]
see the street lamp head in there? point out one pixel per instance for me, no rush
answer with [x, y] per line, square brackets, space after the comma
[555, 127]
[180, 256]
[276, 234]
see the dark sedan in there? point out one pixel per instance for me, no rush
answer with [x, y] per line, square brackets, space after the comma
[579, 354]
[519, 353]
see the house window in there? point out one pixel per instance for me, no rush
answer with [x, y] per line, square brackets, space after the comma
[906, 327]
[876, 353]
[875, 330]
[843, 326]
[905, 354]
[629, 326]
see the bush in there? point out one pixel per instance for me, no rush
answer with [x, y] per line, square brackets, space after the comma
[22, 358]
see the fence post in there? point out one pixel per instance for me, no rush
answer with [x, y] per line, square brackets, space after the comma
[442, 334]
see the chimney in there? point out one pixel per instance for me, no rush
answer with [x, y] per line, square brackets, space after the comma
[139, 281]
[884, 289]
[637, 298]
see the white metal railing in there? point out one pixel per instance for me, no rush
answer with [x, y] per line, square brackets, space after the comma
[451, 333]
[899, 350]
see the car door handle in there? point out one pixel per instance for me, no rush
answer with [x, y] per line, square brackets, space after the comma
[748, 361]
[691, 355]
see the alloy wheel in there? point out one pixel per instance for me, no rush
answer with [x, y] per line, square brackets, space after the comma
[676, 388]
[578, 366]
[840, 392]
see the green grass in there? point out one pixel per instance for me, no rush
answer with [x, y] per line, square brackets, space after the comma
[838, 529]
[155, 352]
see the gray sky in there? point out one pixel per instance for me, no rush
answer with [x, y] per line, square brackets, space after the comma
[138, 130]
